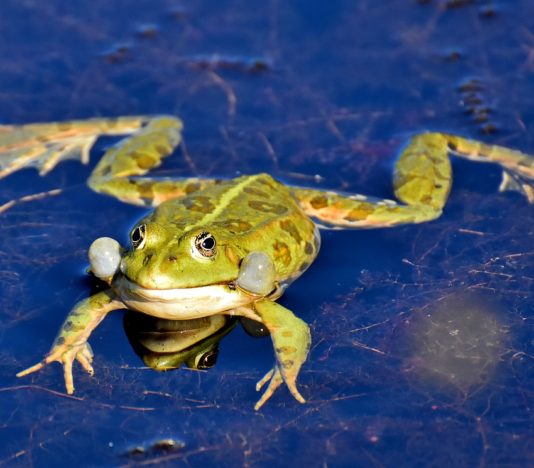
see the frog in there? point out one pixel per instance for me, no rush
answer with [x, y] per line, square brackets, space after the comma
[212, 246]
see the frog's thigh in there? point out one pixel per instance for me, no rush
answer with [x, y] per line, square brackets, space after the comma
[117, 173]
[291, 339]
[146, 191]
[422, 181]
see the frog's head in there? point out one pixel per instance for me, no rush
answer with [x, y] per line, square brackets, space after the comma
[159, 258]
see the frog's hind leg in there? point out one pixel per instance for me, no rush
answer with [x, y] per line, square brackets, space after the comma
[148, 140]
[422, 181]
[119, 171]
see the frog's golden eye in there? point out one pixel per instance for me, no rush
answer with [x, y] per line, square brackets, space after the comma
[207, 360]
[138, 236]
[205, 244]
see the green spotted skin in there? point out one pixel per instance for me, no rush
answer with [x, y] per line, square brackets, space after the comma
[247, 214]
[240, 216]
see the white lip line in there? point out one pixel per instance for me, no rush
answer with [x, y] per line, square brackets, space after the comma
[214, 292]
[137, 286]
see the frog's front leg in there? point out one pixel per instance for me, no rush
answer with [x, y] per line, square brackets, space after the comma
[291, 339]
[71, 342]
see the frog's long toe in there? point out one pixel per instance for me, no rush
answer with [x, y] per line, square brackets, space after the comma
[515, 182]
[82, 353]
[85, 358]
[275, 380]
[32, 369]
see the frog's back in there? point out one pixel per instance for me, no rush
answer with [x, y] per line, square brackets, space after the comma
[252, 213]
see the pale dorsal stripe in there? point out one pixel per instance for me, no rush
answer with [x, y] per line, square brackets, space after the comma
[226, 199]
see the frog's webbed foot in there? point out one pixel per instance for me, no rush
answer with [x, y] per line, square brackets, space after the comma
[275, 379]
[45, 145]
[71, 343]
[291, 339]
[66, 356]
[513, 182]
[517, 167]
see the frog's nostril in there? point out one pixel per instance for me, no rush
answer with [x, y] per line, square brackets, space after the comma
[172, 258]
[147, 259]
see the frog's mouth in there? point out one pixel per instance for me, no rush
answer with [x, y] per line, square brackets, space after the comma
[180, 303]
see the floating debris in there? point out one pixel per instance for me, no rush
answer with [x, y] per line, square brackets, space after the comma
[231, 62]
[147, 31]
[475, 105]
[154, 448]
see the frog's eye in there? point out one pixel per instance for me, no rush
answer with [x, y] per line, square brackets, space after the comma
[207, 360]
[205, 244]
[138, 236]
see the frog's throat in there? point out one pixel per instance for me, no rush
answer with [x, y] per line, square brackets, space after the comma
[181, 303]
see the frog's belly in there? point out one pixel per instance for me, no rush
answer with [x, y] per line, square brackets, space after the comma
[180, 304]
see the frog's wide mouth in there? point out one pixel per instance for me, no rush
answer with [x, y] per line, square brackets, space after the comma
[180, 303]
[126, 284]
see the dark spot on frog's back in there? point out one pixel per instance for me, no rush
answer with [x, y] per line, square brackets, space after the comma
[256, 192]
[308, 248]
[192, 187]
[234, 225]
[304, 267]
[290, 228]
[268, 181]
[199, 203]
[267, 207]
[282, 253]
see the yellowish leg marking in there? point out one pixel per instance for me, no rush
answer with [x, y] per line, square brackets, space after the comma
[422, 181]
[71, 342]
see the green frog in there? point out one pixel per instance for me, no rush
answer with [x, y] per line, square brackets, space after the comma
[225, 247]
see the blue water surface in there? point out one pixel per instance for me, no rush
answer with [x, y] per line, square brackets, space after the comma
[422, 335]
